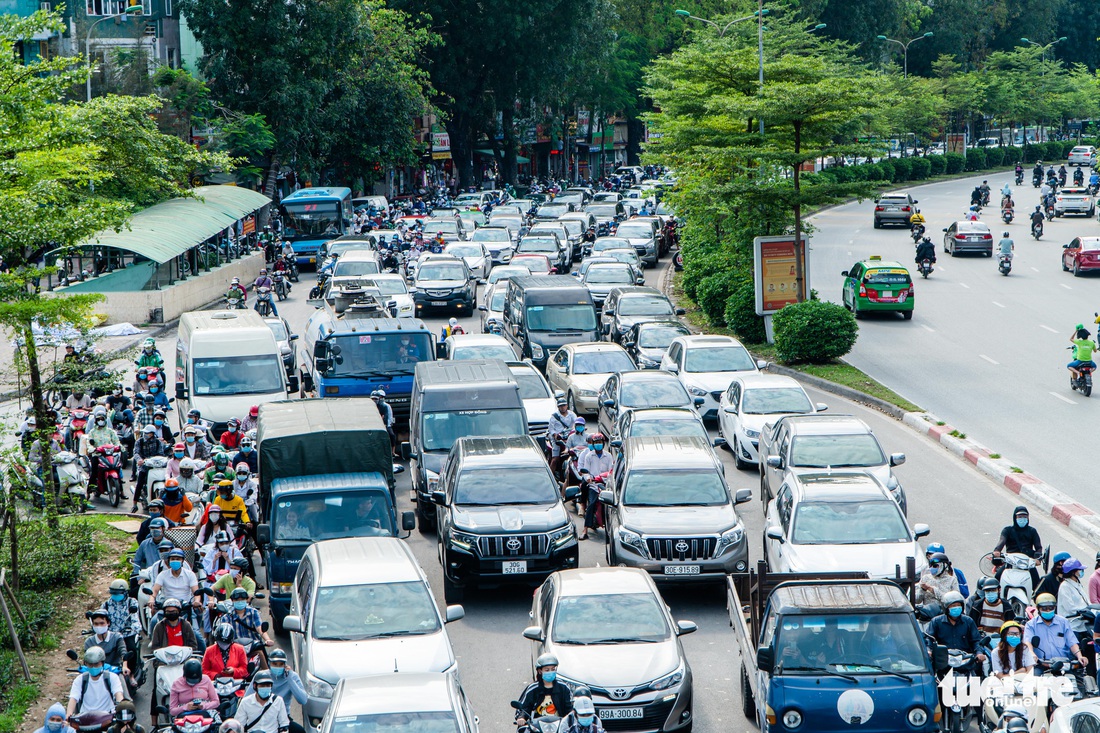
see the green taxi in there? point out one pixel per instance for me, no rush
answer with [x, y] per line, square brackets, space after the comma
[875, 284]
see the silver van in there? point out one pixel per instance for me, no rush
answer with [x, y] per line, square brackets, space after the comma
[362, 606]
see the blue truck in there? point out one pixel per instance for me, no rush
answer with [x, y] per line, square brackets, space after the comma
[354, 351]
[826, 653]
[326, 471]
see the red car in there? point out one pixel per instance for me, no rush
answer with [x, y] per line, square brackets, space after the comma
[1081, 255]
[537, 264]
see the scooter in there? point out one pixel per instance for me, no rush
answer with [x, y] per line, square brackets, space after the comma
[1016, 587]
[72, 481]
[156, 474]
[1004, 264]
[109, 473]
[235, 300]
[543, 724]
[925, 267]
[957, 718]
[1007, 215]
[1036, 180]
[1083, 381]
[917, 232]
[1037, 230]
[93, 721]
[169, 668]
[230, 691]
[1019, 177]
[74, 430]
[263, 301]
[279, 281]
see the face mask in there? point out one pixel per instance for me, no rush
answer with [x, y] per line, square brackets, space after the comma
[1047, 615]
[53, 725]
[153, 390]
[223, 548]
[1012, 641]
[100, 629]
[178, 454]
[246, 449]
[597, 447]
[190, 438]
[157, 536]
[100, 423]
[159, 422]
[1079, 574]
[223, 645]
[116, 597]
[549, 676]
[176, 564]
[586, 720]
[190, 421]
[95, 671]
[232, 429]
[580, 428]
[955, 611]
[234, 572]
[991, 597]
[263, 692]
[154, 513]
[242, 476]
[1021, 522]
[935, 569]
[277, 671]
[172, 615]
[240, 605]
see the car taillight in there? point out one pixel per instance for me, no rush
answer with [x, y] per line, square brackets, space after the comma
[863, 291]
[960, 236]
[1059, 198]
[987, 236]
[905, 208]
[909, 292]
[879, 208]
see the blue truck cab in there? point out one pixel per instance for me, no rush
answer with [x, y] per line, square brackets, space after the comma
[326, 472]
[831, 653]
[313, 216]
[354, 352]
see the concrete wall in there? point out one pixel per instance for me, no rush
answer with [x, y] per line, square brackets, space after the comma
[188, 295]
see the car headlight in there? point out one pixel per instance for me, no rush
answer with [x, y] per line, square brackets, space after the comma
[917, 717]
[648, 363]
[696, 392]
[668, 680]
[282, 588]
[432, 479]
[463, 541]
[792, 719]
[894, 487]
[730, 538]
[750, 433]
[586, 392]
[624, 327]
[537, 352]
[317, 687]
[634, 541]
[562, 537]
[571, 684]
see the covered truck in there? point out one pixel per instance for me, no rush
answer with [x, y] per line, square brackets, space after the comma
[326, 472]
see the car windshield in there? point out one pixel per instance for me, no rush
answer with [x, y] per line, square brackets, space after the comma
[634, 231]
[358, 612]
[307, 518]
[411, 722]
[237, 375]
[628, 256]
[553, 210]
[610, 243]
[447, 226]
[679, 487]
[774, 400]
[850, 643]
[463, 250]
[718, 359]
[645, 305]
[441, 271]
[313, 219]
[388, 286]
[499, 273]
[531, 385]
[849, 523]
[561, 317]
[836, 451]
[605, 211]
[367, 356]
[609, 618]
[277, 329]
[539, 244]
[483, 351]
[605, 274]
[535, 264]
[496, 302]
[653, 393]
[886, 277]
[442, 429]
[602, 362]
[525, 485]
[685, 428]
[335, 249]
[659, 337]
[492, 234]
[353, 268]
[572, 226]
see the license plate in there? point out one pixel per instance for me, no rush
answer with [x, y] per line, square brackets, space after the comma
[887, 293]
[891, 208]
[439, 302]
[681, 569]
[620, 713]
[514, 567]
[312, 260]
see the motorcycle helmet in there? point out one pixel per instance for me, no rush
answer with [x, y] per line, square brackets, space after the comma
[1013, 711]
[1005, 235]
[1062, 556]
[142, 373]
[221, 460]
[597, 437]
[240, 563]
[1017, 725]
[187, 468]
[276, 655]
[1046, 599]
[125, 712]
[1008, 625]
[93, 656]
[952, 597]
[192, 671]
[238, 594]
[263, 677]
[263, 271]
[118, 586]
[97, 613]
[158, 522]
[242, 467]
[546, 660]
[194, 412]
[171, 486]
[149, 346]
[165, 546]
[233, 423]
[231, 725]
[989, 584]
[562, 401]
[583, 706]
[221, 537]
[378, 395]
[224, 633]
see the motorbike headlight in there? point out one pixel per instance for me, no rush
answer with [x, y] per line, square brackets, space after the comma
[668, 680]
[917, 717]
[633, 540]
[537, 352]
[317, 687]
[696, 392]
[561, 537]
[750, 433]
[730, 538]
[792, 719]
[463, 541]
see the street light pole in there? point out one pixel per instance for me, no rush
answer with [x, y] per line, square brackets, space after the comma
[1043, 74]
[905, 49]
[130, 10]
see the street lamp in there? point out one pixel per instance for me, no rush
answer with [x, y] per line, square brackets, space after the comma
[1043, 49]
[817, 27]
[134, 9]
[721, 29]
[905, 48]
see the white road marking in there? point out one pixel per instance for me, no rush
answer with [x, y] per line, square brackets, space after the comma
[998, 304]
[1047, 328]
[1035, 269]
[1064, 399]
[1067, 287]
[989, 360]
[964, 285]
[928, 328]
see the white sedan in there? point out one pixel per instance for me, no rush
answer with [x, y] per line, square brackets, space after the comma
[393, 288]
[475, 254]
[706, 365]
[753, 400]
[478, 346]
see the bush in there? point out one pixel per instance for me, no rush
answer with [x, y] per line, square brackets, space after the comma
[922, 168]
[875, 173]
[938, 164]
[994, 157]
[814, 331]
[713, 292]
[954, 162]
[888, 169]
[975, 159]
[903, 169]
[1032, 153]
[1067, 146]
[1012, 155]
[1052, 151]
[52, 558]
[741, 315]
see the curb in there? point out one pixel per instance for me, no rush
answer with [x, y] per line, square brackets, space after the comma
[840, 390]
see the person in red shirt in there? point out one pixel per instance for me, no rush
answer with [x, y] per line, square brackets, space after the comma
[231, 438]
[224, 656]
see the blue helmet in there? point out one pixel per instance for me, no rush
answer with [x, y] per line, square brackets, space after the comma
[1060, 557]
[934, 547]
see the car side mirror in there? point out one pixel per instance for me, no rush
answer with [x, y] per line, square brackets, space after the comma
[896, 459]
[292, 623]
[440, 350]
[181, 388]
[408, 521]
[406, 450]
[454, 613]
[765, 659]
[483, 309]
[534, 633]
[844, 273]
[940, 658]
[698, 401]
[921, 530]
[617, 443]
[439, 498]
[945, 230]
[322, 365]
[639, 281]
[1065, 246]
[742, 495]
[915, 201]
[572, 492]
[609, 403]
[607, 497]
[263, 534]
[719, 442]
[292, 384]
[761, 364]
[821, 407]
[675, 369]
[680, 311]
[293, 337]
[611, 312]
[775, 533]
[775, 462]
[683, 628]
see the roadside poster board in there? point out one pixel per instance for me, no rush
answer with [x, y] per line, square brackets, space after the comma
[774, 273]
[441, 146]
[956, 143]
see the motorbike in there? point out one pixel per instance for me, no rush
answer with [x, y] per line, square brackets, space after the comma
[1016, 587]
[925, 267]
[230, 691]
[1019, 177]
[157, 473]
[109, 473]
[957, 718]
[75, 427]
[318, 290]
[916, 232]
[263, 301]
[985, 197]
[125, 430]
[1037, 229]
[235, 301]
[1048, 210]
[1083, 382]
[1063, 667]
[543, 724]
[1036, 179]
[72, 481]
[93, 721]
[169, 668]
[1007, 215]
[279, 281]
[1004, 264]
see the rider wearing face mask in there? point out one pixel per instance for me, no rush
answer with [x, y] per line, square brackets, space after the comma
[544, 696]
[194, 447]
[225, 656]
[246, 619]
[247, 455]
[112, 643]
[937, 580]
[148, 552]
[1071, 596]
[954, 629]
[231, 438]
[177, 581]
[1012, 654]
[55, 721]
[1056, 638]
[95, 690]
[592, 464]
[235, 578]
[263, 711]
[583, 718]
[219, 557]
[287, 685]
[988, 609]
[1020, 537]
[1052, 581]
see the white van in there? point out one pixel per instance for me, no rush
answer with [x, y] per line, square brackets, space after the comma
[227, 361]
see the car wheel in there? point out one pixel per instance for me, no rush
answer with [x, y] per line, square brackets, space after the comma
[572, 404]
[612, 556]
[763, 489]
[748, 704]
[740, 464]
[425, 518]
[1076, 269]
[907, 315]
[1064, 268]
[452, 592]
[878, 224]
[855, 311]
[945, 250]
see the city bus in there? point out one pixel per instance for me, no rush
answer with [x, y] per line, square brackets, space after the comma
[313, 216]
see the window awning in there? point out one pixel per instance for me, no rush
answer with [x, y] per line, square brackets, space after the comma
[490, 154]
[172, 227]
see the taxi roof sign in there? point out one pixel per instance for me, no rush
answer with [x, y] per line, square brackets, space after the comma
[874, 258]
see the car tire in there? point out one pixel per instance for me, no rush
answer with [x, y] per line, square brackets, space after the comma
[611, 555]
[945, 250]
[1064, 268]
[425, 522]
[572, 404]
[856, 313]
[741, 465]
[452, 592]
[748, 705]
[1076, 270]
[878, 224]
[907, 315]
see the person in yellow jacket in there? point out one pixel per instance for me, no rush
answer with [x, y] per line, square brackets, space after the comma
[231, 504]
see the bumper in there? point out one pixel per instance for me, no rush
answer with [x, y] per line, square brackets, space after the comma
[1078, 210]
[466, 568]
[647, 255]
[869, 306]
[315, 708]
[587, 405]
[971, 247]
[733, 561]
[661, 711]
[1086, 266]
[749, 448]
[306, 258]
[900, 218]
[458, 301]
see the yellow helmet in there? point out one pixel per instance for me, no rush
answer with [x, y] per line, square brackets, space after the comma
[1046, 599]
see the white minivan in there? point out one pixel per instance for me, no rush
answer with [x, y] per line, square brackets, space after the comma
[227, 361]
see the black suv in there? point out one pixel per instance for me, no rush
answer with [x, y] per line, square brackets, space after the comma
[500, 516]
[627, 306]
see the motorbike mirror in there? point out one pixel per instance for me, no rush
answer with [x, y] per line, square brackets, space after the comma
[265, 625]
[940, 658]
[517, 705]
[71, 654]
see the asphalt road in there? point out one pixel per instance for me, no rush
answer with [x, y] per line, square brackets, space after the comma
[984, 352]
[965, 510]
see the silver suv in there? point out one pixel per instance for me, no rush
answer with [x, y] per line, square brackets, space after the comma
[894, 208]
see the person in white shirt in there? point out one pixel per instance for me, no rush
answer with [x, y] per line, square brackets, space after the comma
[95, 690]
[1072, 596]
[263, 711]
[177, 581]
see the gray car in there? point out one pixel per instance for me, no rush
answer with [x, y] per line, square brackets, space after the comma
[423, 701]
[612, 632]
[894, 208]
[968, 236]
[642, 236]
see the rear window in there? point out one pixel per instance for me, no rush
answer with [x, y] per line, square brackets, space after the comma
[887, 277]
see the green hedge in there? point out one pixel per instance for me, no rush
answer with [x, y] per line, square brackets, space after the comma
[922, 167]
[713, 292]
[888, 169]
[994, 157]
[955, 163]
[903, 169]
[938, 164]
[814, 331]
[975, 159]
[741, 315]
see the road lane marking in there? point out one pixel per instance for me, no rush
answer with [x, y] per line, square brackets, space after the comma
[1067, 287]
[1035, 269]
[928, 328]
[964, 285]
[1064, 399]
[989, 360]
[998, 304]
[1047, 328]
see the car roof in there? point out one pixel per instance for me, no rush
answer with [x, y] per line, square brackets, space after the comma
[759, 380]
[1075, 189]
[838, 486]
[664, 413]
[647, 375]
[670, 451]
[364, 561]
[895, 195]
[638, 290]
[603, 581]
[874, 264]
[706, 341]
[826, 424]
[359, 255]
[606, 265]
[394, 693]
[512, 451]
[977, 226]
[476, 339]
[593, 346]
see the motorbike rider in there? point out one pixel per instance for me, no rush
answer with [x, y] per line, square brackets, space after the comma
[148, 446]
[231, 438]
[211, 524]
[1012, 654]
[193, 692]
[1019, 172]
[267, 241]
[976, 196]
[1037, 219]
[248, 456]
[937, 581]
[236, 578]
[1062, 173]
[194, 417]
[264, 281]
[917, 220]
[1078, 177]
[194, 447]
[225, 657]
[147, 552]
[263, 711]
[954, 629]
[236, 291]
[111, 642]
[221, 555]
[452, 329]
[1006, 246]
[125, 719]
[544, 696]
[189, 482]
[176, 580]
[251, 421]
[988, 609]
[1094, 181]
[119, 403]
[577, 444]
[593, 464]
[1056, 636]
[1083, 347]
[150, 355]
[1052, 581]
[1021, 538]
[561, 422]
[246, 619]
[232, 506]
[159, 399]
[55, 721]
[972, 215]
[583, 718]
[94, 690]
[244, 486]
[984, 188]
[287, 685]
[926, 251]
[100, 434]
[1071, 601]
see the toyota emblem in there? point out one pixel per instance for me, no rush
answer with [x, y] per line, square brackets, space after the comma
[682, 546]
[619, 693]
[513, 545]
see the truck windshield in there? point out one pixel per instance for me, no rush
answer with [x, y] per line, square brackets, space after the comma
[850, 643]
[674, 488]
[418, 722]
[563, 317]
[238, 375]
[609, 618]
[442, 429]
[526, 485]
[849, 523]
[837, 451]
[375, 354]
[310, 518]
[357, 612]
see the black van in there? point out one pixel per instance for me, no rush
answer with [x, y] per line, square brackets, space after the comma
[451, 400]
[544, 312]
